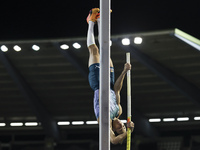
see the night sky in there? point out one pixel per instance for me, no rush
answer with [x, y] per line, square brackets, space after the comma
[64, 19]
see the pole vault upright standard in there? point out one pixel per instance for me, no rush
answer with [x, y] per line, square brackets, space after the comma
[104, 122]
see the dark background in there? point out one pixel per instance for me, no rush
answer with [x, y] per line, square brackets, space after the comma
[24, 20]
[47, 19]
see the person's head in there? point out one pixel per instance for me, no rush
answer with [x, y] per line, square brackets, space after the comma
[118, 126]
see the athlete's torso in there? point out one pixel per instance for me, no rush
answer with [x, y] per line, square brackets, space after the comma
[114, 108]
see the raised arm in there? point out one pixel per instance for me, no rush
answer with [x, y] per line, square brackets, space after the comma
[119, 82]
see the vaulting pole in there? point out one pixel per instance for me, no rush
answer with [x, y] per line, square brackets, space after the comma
[128, 147]
[104, 122]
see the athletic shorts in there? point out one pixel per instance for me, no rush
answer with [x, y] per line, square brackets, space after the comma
[93, 76]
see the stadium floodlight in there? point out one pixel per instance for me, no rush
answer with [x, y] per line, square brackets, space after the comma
[126, 41]
[110, 43]
[182, 119]
[4, 48]
[196, 118]
[91, 122]
[17, 48]
[31, 124]
[155, 120]
[64, 46]
[63, 123]
[77, 122]
[76, 45]
[2, 124]
[16, 124]
[168, 119]
[137, 40]
[124, 121]
[35, 48]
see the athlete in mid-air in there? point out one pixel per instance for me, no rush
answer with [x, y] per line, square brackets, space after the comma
[117, 128]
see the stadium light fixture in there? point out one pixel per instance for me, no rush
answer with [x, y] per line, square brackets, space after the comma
[17, 48]
[168, 119]
[155, 120]
[183, 119]
[31, 124]
[64, 46]
[124, 121]
[77, 122]
[2, 124]
[16, 124]
[196, 118]
[63, 123]
[137, 40]
[91, 122]
[76, 45]
[35, 48]
[126, 41]
[4, 48]
[110, 43]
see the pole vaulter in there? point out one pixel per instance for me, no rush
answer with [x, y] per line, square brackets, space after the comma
[101, 77]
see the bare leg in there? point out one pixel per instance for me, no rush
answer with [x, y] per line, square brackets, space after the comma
[94, 56]
[92, 47]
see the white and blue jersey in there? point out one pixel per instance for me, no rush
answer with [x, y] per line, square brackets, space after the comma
[114, 108]
[94, 84]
